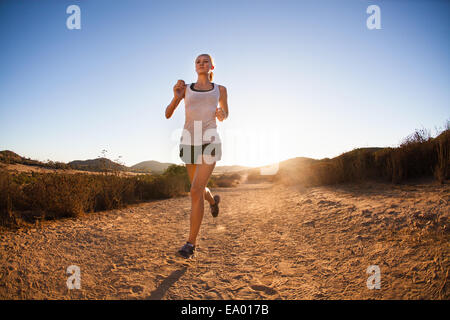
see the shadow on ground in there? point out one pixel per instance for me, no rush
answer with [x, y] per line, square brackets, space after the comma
[159, 292]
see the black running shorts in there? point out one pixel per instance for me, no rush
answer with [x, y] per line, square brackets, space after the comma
[191, 154]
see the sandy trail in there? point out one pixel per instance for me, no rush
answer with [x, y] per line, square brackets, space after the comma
[269, 242]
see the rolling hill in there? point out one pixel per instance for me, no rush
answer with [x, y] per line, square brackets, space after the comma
[150, 166]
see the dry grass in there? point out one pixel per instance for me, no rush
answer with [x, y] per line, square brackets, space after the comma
[419, 155]
[26, 198]
[226, 180]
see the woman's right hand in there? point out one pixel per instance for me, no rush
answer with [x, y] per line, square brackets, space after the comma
[179, 89]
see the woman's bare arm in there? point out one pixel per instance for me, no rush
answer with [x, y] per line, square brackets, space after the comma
[178, 94]
[172, 106]
[222, 112]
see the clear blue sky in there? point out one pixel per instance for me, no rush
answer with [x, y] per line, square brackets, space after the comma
[309, 73]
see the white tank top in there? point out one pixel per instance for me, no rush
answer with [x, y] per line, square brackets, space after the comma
[200, 126]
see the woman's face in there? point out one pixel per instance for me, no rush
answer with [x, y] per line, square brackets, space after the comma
[203, 64]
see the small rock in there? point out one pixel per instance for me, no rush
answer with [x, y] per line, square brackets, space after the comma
[137, 289]
[209, 285]
[309, 223]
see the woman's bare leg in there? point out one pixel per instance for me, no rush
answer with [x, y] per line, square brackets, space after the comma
[209, 196]
[191, 168]
[198, 185]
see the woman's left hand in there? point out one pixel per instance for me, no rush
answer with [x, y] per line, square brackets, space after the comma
[220, 114]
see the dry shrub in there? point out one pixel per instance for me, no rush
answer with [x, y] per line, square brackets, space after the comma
[110, 192]
[9, 190]
[54, 195]
[442, 167]
[418, 155]
[58, 195]
[226, 180]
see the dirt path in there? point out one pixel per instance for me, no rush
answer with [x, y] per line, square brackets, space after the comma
[269, 242]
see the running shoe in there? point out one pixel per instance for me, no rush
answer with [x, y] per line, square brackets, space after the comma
[187, 251]
[215, 207]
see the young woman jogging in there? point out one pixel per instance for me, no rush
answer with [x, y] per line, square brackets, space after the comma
[200, 144]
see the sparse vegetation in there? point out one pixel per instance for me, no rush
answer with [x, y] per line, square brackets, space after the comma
[418, 155]
[225, 180]
[25, 198]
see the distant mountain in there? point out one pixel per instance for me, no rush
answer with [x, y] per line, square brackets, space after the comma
[7, 156]
[301, 161]
[297, 161]
[99, 164]
[10, 157]
[291, 167]
[150, 166]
